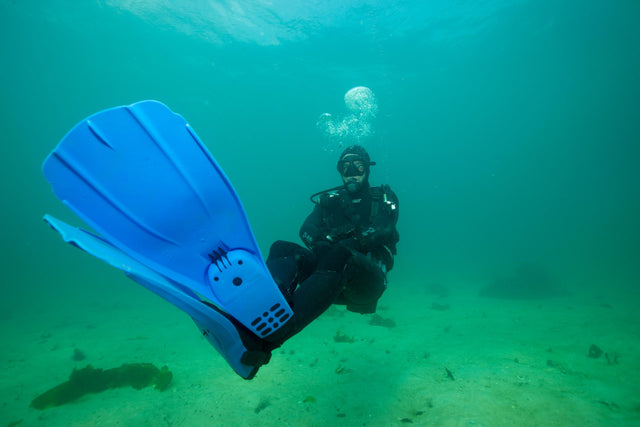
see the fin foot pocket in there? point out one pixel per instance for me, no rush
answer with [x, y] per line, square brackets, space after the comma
[237, 285]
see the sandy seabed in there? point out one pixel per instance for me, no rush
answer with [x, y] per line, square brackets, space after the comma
[450, 360]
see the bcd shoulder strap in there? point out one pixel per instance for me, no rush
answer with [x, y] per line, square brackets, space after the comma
[378, 195]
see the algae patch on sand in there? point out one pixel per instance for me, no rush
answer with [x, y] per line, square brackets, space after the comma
[91, 380]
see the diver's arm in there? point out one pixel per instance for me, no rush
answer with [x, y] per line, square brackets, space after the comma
[310, 232]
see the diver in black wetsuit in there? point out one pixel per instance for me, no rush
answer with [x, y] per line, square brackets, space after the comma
[351, 238]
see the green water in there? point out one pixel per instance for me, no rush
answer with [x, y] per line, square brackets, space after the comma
[510, 132]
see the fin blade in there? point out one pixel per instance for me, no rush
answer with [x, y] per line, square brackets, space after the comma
[140, 176]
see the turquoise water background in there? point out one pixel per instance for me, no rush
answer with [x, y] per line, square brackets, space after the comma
[510, 130]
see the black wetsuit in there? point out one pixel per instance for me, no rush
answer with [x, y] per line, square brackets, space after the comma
[313, 279]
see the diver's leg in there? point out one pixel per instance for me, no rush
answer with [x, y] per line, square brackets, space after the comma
[317, 293]
[289, 264]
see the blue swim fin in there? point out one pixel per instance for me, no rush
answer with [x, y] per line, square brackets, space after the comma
[168, 216]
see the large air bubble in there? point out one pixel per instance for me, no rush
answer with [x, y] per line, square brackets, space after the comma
[353, 127]
[361, 101]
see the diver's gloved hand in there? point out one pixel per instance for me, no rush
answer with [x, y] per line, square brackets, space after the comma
[372, 239]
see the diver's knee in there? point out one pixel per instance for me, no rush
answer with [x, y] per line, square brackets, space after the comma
[283, 249]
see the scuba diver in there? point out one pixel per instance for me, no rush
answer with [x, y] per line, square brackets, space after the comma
[163, 211]
[350, 233]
